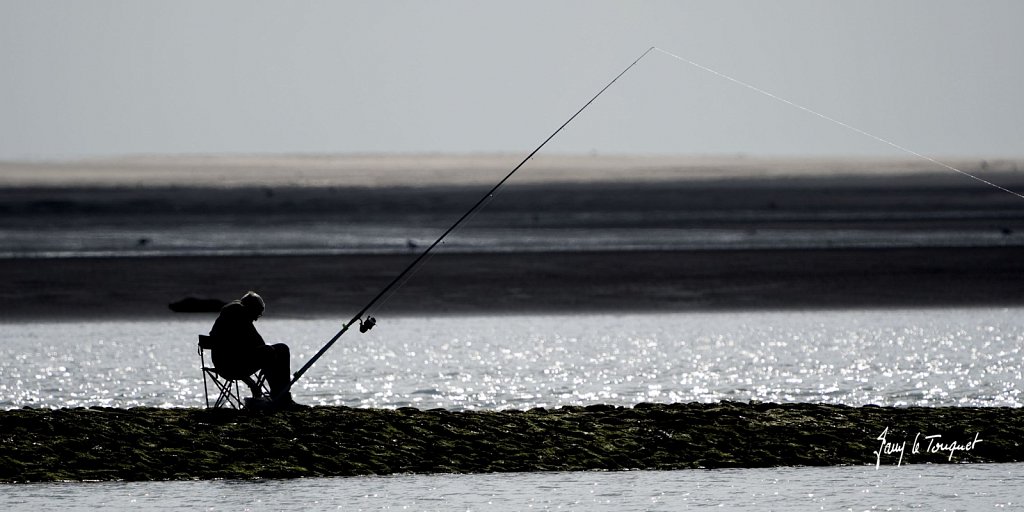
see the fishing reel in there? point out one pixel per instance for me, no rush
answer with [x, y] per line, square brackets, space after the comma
[367, 325]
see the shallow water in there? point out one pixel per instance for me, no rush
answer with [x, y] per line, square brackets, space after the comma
[319, 238]
[924, 357]
[919, 487]
[928, 357]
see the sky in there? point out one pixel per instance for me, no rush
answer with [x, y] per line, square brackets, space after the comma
[111, 78]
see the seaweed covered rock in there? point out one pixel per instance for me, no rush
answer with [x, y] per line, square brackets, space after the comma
[156, 444]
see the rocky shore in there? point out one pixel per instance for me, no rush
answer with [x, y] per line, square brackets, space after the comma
[158, 444]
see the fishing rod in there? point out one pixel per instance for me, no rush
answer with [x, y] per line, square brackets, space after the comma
[366, 325]
[369, 322]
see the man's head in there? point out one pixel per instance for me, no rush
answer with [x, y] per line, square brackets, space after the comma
[253, 304]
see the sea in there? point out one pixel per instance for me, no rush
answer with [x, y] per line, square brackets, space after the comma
[965, 357]
[925, 357]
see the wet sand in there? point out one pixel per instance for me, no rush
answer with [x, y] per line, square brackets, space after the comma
[339, 286]
[182, 444]
[427, 192]
[431, 169]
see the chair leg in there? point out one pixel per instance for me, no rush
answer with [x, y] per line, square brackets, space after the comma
[202, 365]
[261, 382]
[225, 395]
[206, 391]
[228, 397]
[229, 392]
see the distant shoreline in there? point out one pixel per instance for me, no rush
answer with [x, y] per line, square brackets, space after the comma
[422, 170]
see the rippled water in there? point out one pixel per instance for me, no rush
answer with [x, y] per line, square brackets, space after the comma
[919, 487]
[908, 357]
[333, 238]
[928, 357]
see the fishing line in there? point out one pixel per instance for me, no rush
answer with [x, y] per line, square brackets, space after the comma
[836, 121]
[486, 197]
[409, 270]
[737, 81]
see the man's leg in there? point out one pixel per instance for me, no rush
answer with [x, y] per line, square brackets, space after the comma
[276, 361]
[253, 388]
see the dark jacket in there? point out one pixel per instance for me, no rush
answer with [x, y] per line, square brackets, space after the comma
[237, 345]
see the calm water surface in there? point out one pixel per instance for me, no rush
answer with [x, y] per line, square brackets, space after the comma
[918, 487]
[925, 357]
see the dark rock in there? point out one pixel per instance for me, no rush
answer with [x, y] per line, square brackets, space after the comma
[157, 444]
[195, 305]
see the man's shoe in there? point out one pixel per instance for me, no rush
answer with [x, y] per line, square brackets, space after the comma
[258, 404]
[285, 403]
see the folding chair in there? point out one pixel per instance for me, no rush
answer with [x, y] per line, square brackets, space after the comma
[227, 388]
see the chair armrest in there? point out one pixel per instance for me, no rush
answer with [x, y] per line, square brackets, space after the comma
[207, 342]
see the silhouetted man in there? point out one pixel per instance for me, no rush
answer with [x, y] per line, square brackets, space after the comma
[239, 350]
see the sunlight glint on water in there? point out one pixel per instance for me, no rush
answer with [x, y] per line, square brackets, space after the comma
[909, 357]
